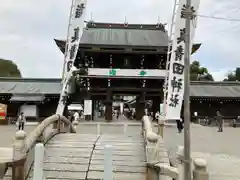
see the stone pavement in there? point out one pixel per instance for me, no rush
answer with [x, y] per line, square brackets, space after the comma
[221, 150]
[8, 132]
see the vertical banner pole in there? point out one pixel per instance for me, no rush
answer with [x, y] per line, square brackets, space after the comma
[187, 149]
[66, 45]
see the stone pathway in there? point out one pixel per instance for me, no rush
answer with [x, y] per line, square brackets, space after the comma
[8, 132]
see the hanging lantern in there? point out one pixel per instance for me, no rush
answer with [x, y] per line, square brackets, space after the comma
[110, 61]
[92, 62]
[86, 62]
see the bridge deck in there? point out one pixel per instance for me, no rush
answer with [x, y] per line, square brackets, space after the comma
[80, 157]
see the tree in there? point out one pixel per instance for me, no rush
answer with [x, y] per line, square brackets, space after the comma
[9, 69]
[233, 75]
[198, 73]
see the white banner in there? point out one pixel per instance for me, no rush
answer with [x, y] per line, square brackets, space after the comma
[175, 88]
[87, 107]
[75, 31]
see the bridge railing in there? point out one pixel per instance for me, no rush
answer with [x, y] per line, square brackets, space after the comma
[23, 146]
[158, 163]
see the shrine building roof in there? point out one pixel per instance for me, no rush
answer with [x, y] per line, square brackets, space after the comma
[199, 89]
[122, 35]
[215, 89]
[30, 86]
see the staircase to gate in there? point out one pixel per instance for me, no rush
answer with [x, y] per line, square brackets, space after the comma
[72, 155]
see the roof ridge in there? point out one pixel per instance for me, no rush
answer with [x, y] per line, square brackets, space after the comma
[157, 26]
[30, 79]
[216, 83]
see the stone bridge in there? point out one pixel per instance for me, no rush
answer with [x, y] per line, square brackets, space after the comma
[69, 155]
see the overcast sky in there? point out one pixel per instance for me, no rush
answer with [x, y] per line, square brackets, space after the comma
[28, 27]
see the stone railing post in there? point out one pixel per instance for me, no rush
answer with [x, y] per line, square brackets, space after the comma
[161, 121]
[19, 156]
[200, 170]
[180, 164]
[57, 125]
[75, 124]
[108, 163]
[38, 162]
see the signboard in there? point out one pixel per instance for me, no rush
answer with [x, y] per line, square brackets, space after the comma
[75, 107]
[87, 107]
[75, 31]
[29, 110]
[127, 72]
[175, 84]
[3, 111]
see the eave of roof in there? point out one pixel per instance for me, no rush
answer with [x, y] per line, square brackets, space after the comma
[201, 89]
[61, 45]
[217, 83]
[44, 80]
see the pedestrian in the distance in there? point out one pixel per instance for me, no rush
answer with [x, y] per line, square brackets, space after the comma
[117, 114]
[76, 116]
[219, 119]
[21, 121]
[179, 125]
[234, 123]
[157, 115]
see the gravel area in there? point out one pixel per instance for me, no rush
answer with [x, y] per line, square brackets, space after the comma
[7, 134]
[221, 150]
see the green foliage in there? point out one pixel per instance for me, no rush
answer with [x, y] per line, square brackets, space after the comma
[198, 73]
[233, 75]
[9, 69]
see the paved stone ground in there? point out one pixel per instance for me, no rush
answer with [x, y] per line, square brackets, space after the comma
[8, 132]
[221, 150]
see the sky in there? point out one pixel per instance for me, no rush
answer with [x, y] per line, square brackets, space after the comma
[28, 27]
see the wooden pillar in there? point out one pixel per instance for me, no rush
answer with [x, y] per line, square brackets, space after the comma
[140, 106]
[108, 105]
[93, 109]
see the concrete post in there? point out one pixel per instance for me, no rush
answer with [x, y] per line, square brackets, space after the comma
[75, 124]
[180, 164]
[161, 121]
[19, 156]
[125, 127]
[38, 162]
[200, 170]
[108, 163]
[57, 125]
[98, 129]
